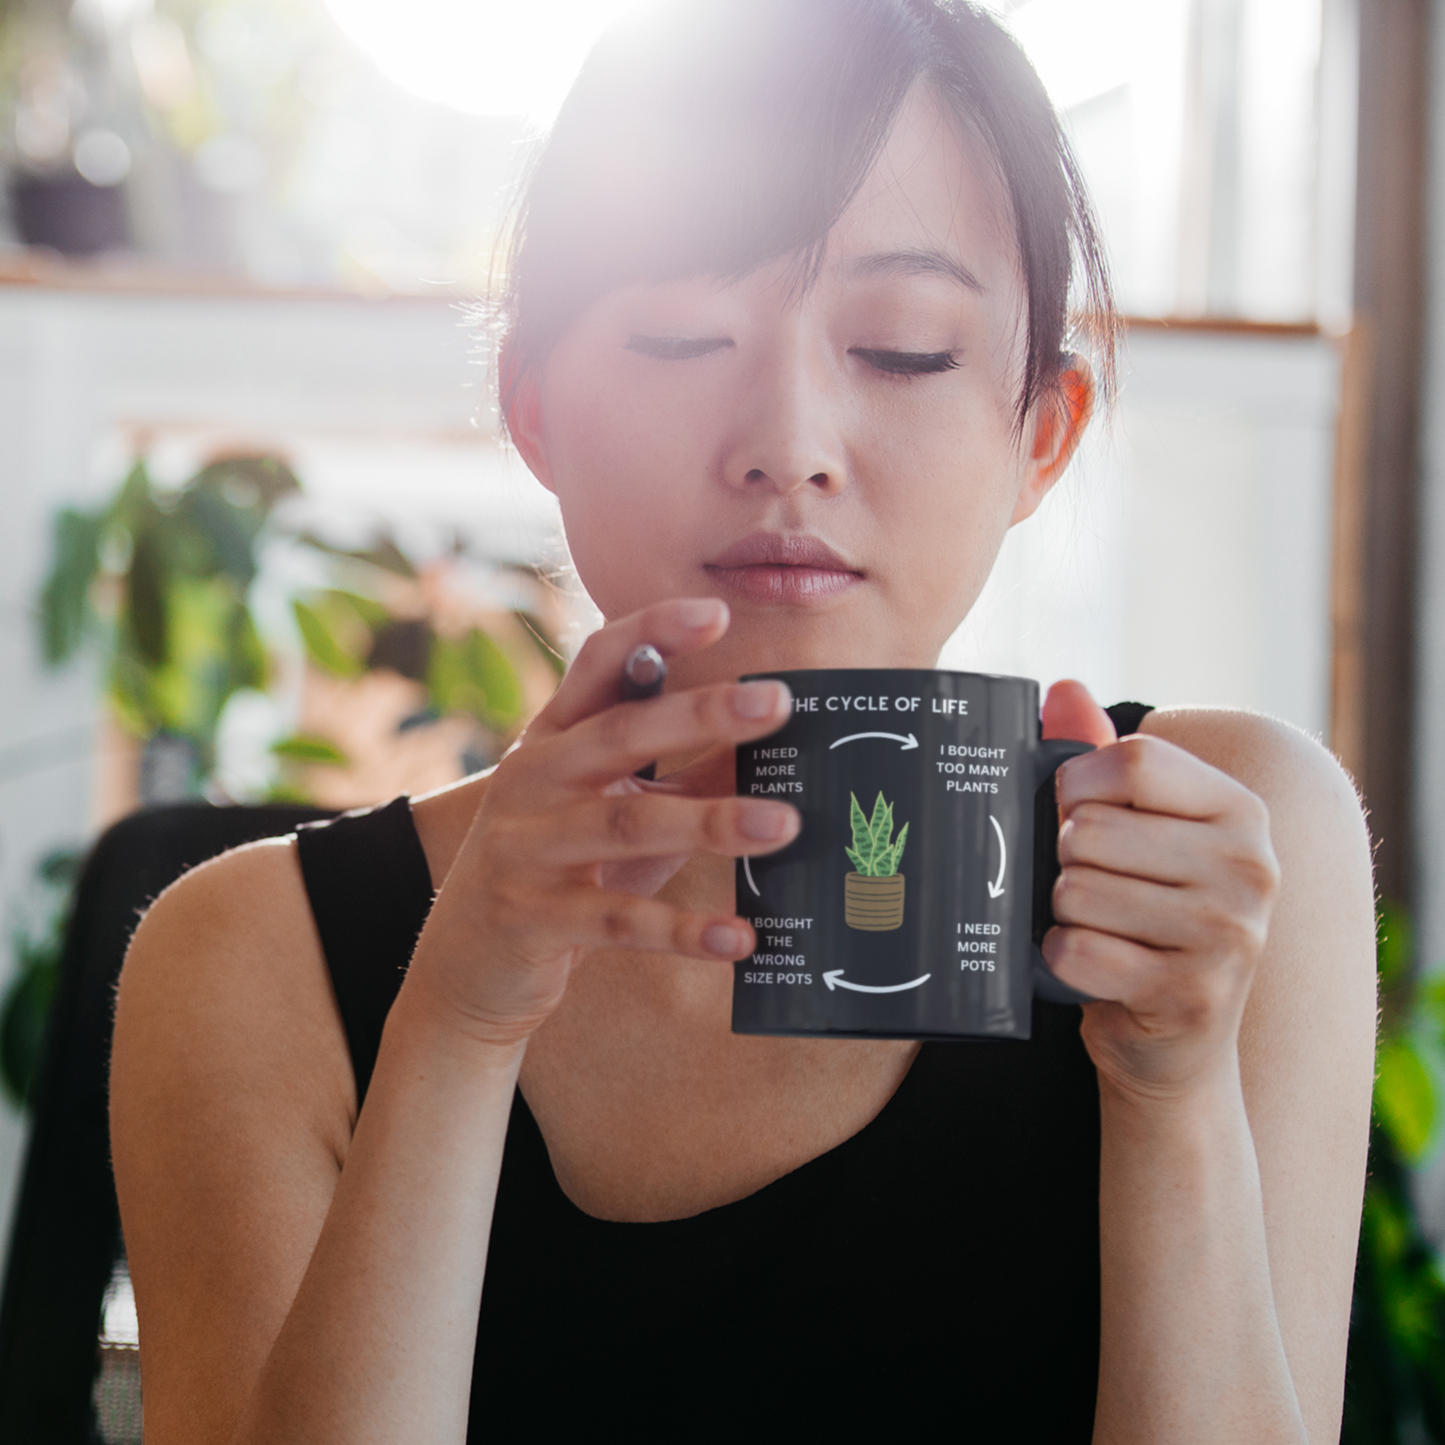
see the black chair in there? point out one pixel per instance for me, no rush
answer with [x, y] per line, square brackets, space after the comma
[65, 1242]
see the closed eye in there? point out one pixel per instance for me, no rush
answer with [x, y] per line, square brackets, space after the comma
[907, 363]
[676, 348]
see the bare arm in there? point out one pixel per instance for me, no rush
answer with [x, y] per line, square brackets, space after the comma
[255, 1253]
[1234, 1080]
[296, 1281]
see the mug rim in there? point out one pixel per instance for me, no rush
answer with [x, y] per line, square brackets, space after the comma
[891, 672]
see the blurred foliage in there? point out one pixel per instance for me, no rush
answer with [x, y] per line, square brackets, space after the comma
[348, 632]
[158, 581]
[26, 1006]
[1395, 1380]
[303, 748]
[471, 674]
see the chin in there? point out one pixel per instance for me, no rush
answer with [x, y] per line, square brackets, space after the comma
[786, 640]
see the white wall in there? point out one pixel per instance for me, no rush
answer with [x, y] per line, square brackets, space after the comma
[1185, 557]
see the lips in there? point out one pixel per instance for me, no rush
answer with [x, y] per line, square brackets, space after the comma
[773, 567]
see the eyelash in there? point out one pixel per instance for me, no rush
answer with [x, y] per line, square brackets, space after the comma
[674, 348]
[907, 363]
[891, 363]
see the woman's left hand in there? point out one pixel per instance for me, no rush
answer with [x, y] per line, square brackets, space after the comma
[1163, 903]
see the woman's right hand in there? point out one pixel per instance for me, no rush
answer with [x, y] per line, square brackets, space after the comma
[568, 847]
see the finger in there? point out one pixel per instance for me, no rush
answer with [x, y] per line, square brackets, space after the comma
[1070, 711]
[713, 775]
[647, 825]
[1156, 777]
[1211, 920]
[1102, 965]
[1165, 991]
[1153, 846]
[594, 681]
[621, 739]
[622, 920]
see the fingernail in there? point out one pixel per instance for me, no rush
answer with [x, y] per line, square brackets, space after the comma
[699, 611]
[756, 700]
[725, 940]
[765, 821]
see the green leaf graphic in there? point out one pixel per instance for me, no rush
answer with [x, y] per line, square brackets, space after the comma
[874, 854]
[862, 850]
[880, 825]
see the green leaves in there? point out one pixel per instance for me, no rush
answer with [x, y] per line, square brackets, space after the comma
[337, 628]
[160, 580]
[346, 633]
[471, 674]
[1405, 1098]
[1410, 1057]
[65, 598]
[383, 553]
[307, 748]
[874, 854]
[1396, 1366]
[25, 1010]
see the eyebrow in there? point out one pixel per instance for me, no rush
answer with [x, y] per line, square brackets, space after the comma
[917, 263]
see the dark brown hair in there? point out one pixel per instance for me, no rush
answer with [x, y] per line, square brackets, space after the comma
[714, 136]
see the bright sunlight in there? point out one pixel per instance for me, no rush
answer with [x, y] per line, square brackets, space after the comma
[482, 57]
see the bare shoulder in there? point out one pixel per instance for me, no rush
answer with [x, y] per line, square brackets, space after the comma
[232, 1104]
[1281, 763]
[226, 968]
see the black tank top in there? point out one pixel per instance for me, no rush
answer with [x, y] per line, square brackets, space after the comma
[937, 1271]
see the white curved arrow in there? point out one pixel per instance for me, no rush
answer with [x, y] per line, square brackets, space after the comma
[995, 890]
[835, 979]
[748, 874]
[908, 742]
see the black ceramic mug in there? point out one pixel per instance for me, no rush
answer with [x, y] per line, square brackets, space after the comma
[912, 902]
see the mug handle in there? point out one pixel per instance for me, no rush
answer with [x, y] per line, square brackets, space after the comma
[1048, 758]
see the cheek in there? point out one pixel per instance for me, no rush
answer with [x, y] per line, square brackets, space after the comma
[608, 441]
[618, 472]
[956, 472]
[955, 466]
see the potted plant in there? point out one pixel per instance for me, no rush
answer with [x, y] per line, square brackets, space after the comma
[159, 581]
[873, 893]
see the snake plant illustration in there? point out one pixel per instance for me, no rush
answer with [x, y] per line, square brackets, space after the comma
[873, 893]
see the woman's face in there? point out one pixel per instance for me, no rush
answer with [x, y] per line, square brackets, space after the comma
[839, 465]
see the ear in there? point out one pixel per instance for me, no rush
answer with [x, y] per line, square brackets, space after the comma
[1055, 428]
[521, 394]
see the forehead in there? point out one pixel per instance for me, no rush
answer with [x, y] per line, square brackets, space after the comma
[933, 189]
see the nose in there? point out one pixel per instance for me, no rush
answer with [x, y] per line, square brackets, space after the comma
[789, 432]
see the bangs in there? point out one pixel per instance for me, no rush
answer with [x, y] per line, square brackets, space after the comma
[708, 140]
[711, 137]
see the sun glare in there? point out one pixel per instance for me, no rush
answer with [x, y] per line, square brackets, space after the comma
[483, 57]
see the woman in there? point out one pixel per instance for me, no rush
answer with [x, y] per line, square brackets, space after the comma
[787, 324]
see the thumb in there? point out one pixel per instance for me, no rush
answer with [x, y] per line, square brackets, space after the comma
[1069, 712]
